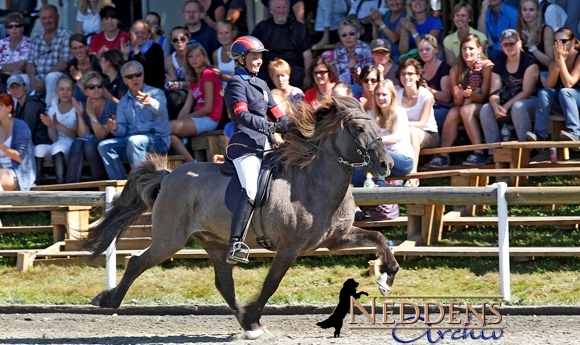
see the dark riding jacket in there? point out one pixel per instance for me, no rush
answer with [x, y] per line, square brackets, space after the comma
[253, 110]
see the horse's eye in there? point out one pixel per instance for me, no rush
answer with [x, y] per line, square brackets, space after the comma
[360, 129]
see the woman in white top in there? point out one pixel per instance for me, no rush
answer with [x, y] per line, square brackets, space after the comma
[224, 65]
[418, 103]
[88, 20]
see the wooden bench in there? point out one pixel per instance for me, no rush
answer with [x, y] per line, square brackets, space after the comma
[206, 145]
[89, 185]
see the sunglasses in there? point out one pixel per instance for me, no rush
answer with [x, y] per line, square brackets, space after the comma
[134, 75]
[14, 26]
[564, 40]
[179, 39]
[319, 73]
[370, 80]
[94, 86]
[352, 33]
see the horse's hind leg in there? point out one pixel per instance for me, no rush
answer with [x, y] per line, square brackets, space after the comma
[357, 237]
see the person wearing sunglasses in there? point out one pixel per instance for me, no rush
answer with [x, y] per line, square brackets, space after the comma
[81, 63]
[15, 48]
[561, 92]
[369, 77]
[92, 118]
[325, 76]
[140, 125]
[351, 54]
[175, 77]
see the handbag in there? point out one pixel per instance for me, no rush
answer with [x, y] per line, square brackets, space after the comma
[507, 92]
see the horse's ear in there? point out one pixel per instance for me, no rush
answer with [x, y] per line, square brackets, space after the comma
[336, 104]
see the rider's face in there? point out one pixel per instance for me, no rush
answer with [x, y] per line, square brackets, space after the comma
[253, 62]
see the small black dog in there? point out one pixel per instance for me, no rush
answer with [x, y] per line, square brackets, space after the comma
[343, 306]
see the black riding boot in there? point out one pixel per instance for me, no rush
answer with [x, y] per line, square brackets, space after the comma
[58, 162]
[39, 162]
[239, 251]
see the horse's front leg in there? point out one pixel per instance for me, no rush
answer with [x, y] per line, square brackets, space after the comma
[357, 237]
[280, 265]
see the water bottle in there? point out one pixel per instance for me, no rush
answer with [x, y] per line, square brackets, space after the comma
[505, 133]
[553, 155]
[369, 183]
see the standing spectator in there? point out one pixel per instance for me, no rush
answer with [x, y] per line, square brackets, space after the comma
[28, 108]
[147, 52]
[60, 121]
[516, 77]
[17, 169]
[112, 37]
[236, 13]
[88, 20]
[154, 21]
[198, 30]
[419, 21]
[470, 84]
[351, 54]
[561, 94]
[223, 62]
[494, 18]
[49, 54]
[462, 19]
[279, 71]
[214, 10]
[14, 49]
[81, 63]
[360, 15]
[325, 76]
[537, 37]
[418, 103]
[381, 53]
[329, 15]
[111, 62]
[388, 26]
[286, 39]
[203, 106]
[141, 124]
[92, 118]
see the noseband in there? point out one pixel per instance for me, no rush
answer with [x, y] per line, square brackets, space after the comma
[360, 149]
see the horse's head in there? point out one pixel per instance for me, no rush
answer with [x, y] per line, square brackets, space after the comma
[359, 142]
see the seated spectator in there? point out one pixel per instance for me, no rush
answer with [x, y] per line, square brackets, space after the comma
[418, 103]
[369, 77]
[176, 87]
[329, 15]
[342, 89]
[111, 62]
[494, 18]
[553, 14]
[48, 57]
[324, 75]
[17, 169]
[561, 95]
[204, 104]
[88, 20]
[351, 54]
[154, 21]
[28, 108]
[462, 19]
[141, 124]
[381, 53]
[224, 64]
[420, 21]
[214, 10]
[436, 78]
[60, 121]
[516, 81]
[278, 34]
[14, 49]
[81, 63]
[470, 84]
[92, 118]
[147, 52]
[112, 37]
[297, 10]
[537, 37]
[360, 16]
[388, 26]
[280, 71]
[199, 32]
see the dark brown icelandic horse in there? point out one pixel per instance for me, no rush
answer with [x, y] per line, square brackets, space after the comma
[310, 206]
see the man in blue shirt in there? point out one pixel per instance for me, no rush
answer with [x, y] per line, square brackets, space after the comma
[494, 18]
[141, 124]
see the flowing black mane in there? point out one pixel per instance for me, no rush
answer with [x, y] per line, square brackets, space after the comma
[312, 126]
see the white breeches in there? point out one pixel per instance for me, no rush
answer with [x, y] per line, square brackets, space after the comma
[248, 169]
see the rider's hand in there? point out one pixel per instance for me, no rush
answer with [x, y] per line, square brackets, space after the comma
[282, 126]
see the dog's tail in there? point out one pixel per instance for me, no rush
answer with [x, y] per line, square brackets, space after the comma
[328, 323]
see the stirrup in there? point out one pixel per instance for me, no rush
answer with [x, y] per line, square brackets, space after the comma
[239, 252]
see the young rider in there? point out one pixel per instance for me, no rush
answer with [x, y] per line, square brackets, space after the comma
[259, 125]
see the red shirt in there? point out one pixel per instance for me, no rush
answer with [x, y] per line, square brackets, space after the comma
[198, 92]
[98, 41]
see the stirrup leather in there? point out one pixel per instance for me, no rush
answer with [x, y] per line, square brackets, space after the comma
[239, 252]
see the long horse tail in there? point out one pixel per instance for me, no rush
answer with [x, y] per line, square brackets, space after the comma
[138, 196]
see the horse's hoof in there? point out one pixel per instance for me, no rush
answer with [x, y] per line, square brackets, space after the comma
[253, 335]
[384, 288]
[97, 300]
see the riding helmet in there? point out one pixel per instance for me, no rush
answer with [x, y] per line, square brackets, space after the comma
[244, 45]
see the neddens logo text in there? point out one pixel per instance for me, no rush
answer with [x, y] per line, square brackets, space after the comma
[432, 321]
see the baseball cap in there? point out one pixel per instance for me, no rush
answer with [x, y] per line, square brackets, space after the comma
[379, 43]
[509, 35]
[15, 79]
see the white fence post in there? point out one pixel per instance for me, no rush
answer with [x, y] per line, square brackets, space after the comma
[503, 242]
[111, 257]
